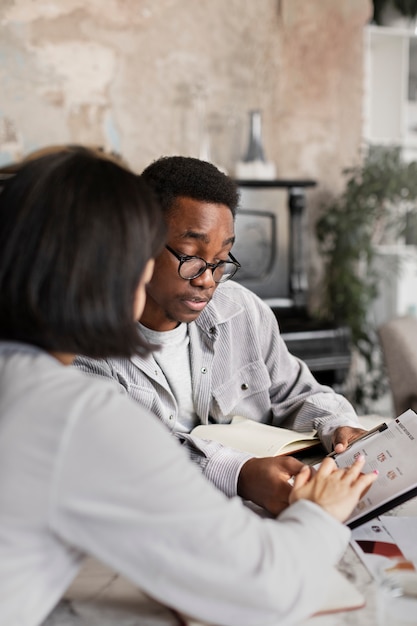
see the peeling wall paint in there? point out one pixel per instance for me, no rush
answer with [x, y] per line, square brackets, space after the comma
[146, 78]
[150, 77]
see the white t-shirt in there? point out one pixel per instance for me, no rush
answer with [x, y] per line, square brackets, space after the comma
[84, 470]
[174, 360]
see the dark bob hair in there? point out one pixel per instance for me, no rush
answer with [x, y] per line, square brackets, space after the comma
[76, 231]
[172, 177]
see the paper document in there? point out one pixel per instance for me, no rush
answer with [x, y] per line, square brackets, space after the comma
[385, 539]
[393, 452]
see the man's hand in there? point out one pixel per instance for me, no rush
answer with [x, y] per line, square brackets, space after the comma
[265, 481]
[344, 435]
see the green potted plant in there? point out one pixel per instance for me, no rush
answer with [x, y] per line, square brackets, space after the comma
[375, 207]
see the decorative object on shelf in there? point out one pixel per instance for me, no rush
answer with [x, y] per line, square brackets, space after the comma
[396, 13]
[375, 208]
[254, 166]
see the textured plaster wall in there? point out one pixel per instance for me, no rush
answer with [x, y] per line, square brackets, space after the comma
[151, 77]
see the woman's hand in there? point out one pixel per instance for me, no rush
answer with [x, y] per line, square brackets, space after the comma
[337, 491]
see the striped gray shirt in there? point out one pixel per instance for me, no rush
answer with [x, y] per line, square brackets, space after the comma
[240, 365]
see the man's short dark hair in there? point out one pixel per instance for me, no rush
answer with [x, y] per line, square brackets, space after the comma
[76, 232]
[172, 177]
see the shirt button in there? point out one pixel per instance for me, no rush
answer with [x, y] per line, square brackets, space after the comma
[204, 370]
[171, 417]
[156, 372]
[244, 386]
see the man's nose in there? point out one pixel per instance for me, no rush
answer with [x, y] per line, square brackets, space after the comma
[205, 279]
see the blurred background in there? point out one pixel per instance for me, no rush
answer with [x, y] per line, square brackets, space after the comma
[147, 78]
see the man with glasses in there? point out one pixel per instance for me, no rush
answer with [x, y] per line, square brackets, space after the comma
[221, 353]
[191, 267]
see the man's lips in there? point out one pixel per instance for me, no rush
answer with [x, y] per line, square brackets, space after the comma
[195, 304]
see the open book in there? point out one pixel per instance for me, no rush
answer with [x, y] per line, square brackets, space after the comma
[341, 595]
[392, 450]
[257, 438]
[107, 597]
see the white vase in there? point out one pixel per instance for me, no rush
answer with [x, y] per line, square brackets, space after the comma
[254, 166]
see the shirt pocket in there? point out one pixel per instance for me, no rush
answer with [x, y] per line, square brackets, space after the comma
[246, 382]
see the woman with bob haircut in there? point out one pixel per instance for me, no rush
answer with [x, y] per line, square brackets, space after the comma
[86, 471]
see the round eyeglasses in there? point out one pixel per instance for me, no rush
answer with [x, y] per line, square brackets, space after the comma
[191, 267]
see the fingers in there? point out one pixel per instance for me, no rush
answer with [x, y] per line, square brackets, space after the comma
[359, 482]
[336, 490]
[340, 439]
[295, 465]
[344, 435]
[350, 474]
[354, 470]
[290, 464]
[353, 473]
[365, 481]
[302, 477]
[327, 467]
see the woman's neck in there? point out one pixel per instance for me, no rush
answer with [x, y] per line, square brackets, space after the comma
[64, 357]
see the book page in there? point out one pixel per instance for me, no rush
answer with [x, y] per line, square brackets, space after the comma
[100, 595]
[256, 438]
[393, 453]
[342, 595]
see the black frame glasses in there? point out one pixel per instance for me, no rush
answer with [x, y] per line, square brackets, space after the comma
[218, 269]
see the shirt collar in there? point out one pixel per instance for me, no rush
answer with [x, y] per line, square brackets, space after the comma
[220, 309]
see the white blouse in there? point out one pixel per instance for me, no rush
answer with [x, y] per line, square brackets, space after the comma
[85, 470]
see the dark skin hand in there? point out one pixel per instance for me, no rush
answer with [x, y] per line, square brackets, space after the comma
[344, 435]
[265, 481]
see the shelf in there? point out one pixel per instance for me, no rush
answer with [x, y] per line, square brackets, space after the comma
[390, 78]
[390, 31]
[284, 182]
